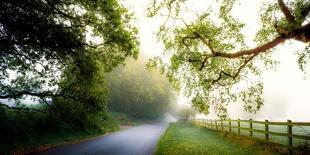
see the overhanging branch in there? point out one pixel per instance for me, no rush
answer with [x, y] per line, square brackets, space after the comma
[235, 75]
[296, 34]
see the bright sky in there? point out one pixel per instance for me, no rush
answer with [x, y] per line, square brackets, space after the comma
[286, 92]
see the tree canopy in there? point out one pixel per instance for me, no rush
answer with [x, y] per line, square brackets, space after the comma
[210, 59]
[57, 52]
[139, 92]
[61, 48]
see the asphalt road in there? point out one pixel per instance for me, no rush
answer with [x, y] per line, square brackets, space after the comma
[140, 140]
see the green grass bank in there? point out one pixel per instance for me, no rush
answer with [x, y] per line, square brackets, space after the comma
[187, 139]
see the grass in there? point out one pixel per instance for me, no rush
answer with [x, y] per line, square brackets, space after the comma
[53, 140]
[39, 141]
[187, 139]
[48, 141]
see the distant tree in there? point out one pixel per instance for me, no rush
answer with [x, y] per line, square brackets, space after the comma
[139, 92]
[209, 57]
[185, 113]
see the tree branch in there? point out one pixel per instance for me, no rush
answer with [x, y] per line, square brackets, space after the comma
[203, 64]
[256, 50]
[233, 76]
[22, 109]
[296, 34]
[18, 94]
[289, 17]
[301, 34]
[207, 43]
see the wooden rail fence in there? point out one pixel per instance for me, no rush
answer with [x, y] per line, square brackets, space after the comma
[219, 125]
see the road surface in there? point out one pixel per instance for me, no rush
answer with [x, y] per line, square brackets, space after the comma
[140, 140]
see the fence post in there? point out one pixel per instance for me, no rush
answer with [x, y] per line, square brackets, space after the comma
[211, 124]
[229, 122]
[216, 124]
[290, 137]
[239, 126]
[251, 128]
[266, 130]
[222, 125]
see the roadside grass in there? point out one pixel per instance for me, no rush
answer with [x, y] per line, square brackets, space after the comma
[42, 141]
[187, 139]
[53, 139]
[50, 140]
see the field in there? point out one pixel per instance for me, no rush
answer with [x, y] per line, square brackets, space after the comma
[188, 139]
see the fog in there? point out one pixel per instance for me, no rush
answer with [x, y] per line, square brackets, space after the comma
[169, 118]
[286, 92]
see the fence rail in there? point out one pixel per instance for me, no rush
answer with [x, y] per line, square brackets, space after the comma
[219, 125]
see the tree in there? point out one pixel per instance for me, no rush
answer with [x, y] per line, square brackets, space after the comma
[139, 92]
[185, 113]
[209, 57]
[59, 49]
[57, 52]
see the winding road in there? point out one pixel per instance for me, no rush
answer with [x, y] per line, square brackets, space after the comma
[140, 140]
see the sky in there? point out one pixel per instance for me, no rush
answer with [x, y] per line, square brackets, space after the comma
[286, 90]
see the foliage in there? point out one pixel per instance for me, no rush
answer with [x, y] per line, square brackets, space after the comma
[39, 39]
[138, 92]
[29, 130]
[128, 120]
[57, 52]
[210, 60]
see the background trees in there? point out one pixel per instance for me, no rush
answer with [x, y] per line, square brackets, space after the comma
[139, 92]
[209, 55]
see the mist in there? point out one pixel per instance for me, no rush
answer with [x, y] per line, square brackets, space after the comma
[286, 91]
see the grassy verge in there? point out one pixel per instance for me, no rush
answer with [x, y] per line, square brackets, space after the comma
[53, 139]
[34, 141]
[187, 139]
[50, 140]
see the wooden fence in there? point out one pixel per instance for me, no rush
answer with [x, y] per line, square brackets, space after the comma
[219, 125]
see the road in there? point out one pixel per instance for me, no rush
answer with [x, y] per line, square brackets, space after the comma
[140, 140]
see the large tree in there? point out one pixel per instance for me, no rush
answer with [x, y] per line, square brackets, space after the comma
[60, 48]
[57, 52]
[209, 58]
